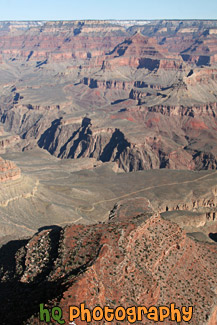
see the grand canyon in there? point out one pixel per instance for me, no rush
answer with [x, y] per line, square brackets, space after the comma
[108, 167]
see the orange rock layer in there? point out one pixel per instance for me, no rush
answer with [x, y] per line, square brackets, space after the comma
[132, 261]
[8, 171]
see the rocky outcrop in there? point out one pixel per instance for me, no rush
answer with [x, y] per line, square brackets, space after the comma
[8, 142]
[8, 171]
[78, 138]
[107, 84]
[205, 160]
[142, 84]
[203, 76]
[147, 253]
[141, 95]
[142, 52]
[74, 141]
[202, 51]
[180, 110]
[69, 137]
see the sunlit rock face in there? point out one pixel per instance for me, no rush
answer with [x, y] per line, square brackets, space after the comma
[8, 171]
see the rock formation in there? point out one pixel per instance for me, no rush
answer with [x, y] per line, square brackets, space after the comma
[146, 85]
[8, 171]
[140, 261]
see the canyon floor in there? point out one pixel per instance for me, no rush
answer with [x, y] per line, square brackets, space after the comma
[51, 191]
